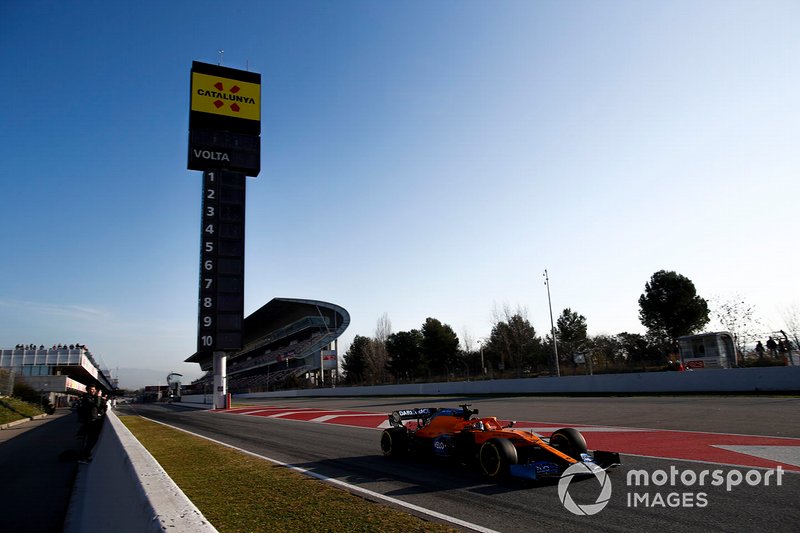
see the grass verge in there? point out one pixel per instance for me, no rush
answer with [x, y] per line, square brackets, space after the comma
[240, 493]
[13, 409]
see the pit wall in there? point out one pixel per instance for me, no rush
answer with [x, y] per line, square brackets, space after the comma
[125, 490]
[736, 380]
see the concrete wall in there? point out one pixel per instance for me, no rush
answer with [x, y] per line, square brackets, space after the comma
[197, 400]
[767, 379]
[125, 490]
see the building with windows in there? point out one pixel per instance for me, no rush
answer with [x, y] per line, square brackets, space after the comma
[59, 372]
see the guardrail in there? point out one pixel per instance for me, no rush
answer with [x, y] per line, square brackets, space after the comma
[125, 490]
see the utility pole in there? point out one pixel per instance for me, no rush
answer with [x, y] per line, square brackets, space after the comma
[552, 326]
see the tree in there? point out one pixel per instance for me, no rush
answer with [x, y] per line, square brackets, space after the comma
[571, 332]
[513, 340]
[571, 328]
[377, 363]
[469, 356]
[383, 328]
[735, 315]
[467, 342]
[606, 350]
[439, 346]
[670, 307]
[355, 360]
[25, 392]
[405, 354]
[376, 360]
[791, 320]
[636, 348]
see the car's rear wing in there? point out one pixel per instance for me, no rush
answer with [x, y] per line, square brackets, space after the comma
[396, 417]
[423, 414]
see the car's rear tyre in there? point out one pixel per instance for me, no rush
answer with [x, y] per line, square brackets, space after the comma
[394, 442]
[496, 456]
[570, 442]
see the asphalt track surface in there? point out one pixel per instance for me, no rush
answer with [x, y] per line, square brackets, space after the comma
[738, 438]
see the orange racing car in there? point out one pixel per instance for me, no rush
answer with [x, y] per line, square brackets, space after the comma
[498, 450]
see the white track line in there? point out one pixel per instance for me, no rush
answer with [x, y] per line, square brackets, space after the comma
[346, 486]
[582, 429]
[325, 418]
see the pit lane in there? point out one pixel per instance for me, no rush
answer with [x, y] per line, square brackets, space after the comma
[350, 454]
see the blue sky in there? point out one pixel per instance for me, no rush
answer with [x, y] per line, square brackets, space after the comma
[418, 159]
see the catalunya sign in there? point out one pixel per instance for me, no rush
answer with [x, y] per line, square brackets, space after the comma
[224, 119]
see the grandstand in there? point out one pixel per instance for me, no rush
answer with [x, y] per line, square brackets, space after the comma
[284, 342]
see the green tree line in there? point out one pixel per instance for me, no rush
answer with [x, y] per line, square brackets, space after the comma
[669, 307]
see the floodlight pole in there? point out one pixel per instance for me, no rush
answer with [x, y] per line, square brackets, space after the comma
[552, 326]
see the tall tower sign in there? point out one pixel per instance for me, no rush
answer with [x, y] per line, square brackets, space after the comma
[224, 143]
[225, 119]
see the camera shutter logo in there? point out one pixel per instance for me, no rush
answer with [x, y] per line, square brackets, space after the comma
[582, 469]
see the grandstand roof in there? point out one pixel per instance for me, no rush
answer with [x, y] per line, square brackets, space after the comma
[276, 314]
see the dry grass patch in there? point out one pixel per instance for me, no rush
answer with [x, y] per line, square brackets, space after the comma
[240, 493]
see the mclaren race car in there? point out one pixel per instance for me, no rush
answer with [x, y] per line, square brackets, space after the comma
[499, 451]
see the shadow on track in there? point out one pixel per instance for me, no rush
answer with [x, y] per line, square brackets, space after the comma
[416, 477]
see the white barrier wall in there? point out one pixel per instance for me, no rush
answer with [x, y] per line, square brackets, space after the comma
[125, 490]
[767, 379]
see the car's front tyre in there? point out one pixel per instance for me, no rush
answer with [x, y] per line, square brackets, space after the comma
[496, 456]
[570, 442]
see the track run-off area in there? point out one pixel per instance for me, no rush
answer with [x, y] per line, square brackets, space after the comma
[688, 463]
